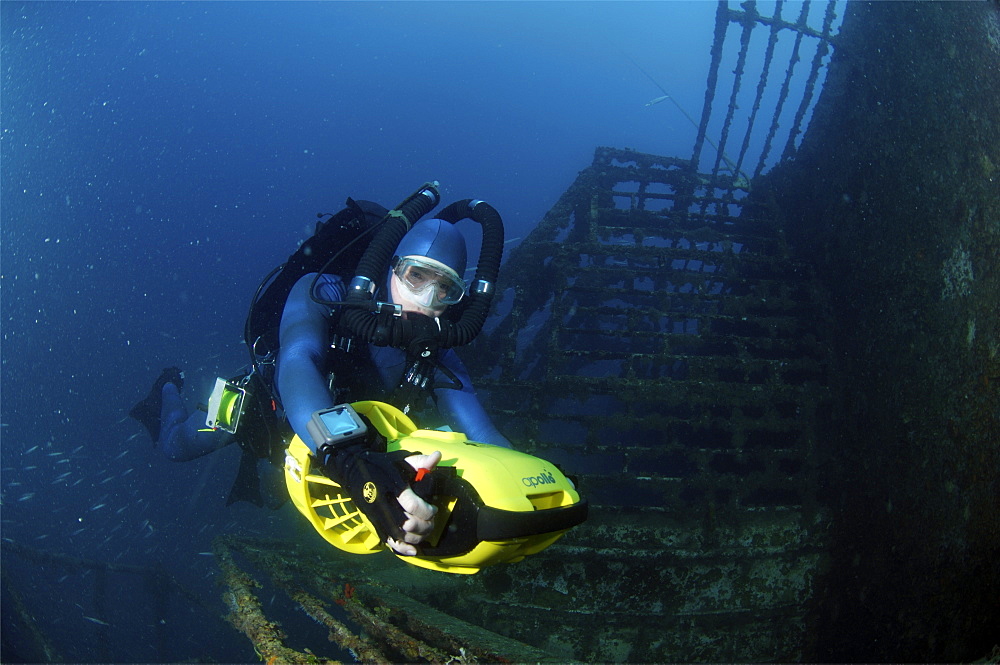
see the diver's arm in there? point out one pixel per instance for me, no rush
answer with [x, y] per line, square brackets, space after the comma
[463, 408]
[303, 335]
[302, 385]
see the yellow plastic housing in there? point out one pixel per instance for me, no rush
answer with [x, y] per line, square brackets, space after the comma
[504, 479]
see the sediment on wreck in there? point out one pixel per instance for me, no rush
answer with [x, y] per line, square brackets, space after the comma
[894, 195]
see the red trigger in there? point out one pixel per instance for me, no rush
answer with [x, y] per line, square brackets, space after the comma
[421, 473]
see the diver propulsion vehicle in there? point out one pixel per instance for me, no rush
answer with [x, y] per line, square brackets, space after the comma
[495, 505]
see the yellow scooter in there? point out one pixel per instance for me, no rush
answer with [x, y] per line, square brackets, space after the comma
[495, 505]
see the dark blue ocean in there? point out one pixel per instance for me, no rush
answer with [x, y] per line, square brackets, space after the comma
[158, 159]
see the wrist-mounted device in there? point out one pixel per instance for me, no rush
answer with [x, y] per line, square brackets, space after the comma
[336, 428]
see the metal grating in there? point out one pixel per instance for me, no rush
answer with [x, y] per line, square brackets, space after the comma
[778, 64]
[658, 342]
[662, 342]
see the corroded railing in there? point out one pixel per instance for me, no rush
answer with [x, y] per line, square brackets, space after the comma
[370, 620]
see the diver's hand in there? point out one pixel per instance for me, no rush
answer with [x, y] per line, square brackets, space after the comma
[379, 484]
[419, 514]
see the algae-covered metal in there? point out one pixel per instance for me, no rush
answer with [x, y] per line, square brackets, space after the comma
[658, 341]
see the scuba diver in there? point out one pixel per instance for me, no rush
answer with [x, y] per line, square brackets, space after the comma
[333, 325]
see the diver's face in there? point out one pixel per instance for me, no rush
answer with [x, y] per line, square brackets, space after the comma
[402, 297]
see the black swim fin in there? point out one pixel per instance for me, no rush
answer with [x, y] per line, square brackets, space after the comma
[246, 487]
[259, 482]
[147, 411]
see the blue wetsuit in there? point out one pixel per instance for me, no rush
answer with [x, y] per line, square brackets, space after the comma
[302, 383]
[305, 327]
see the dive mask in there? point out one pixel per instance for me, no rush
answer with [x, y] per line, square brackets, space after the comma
[429, 282]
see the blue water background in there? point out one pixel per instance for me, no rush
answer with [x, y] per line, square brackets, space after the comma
[158, 159]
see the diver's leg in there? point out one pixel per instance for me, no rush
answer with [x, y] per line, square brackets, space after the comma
[181, 435]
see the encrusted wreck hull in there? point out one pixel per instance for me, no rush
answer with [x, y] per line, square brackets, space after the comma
[659, 343]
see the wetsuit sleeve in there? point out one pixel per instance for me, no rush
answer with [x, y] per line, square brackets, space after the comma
[304, 337]
[463, 408]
